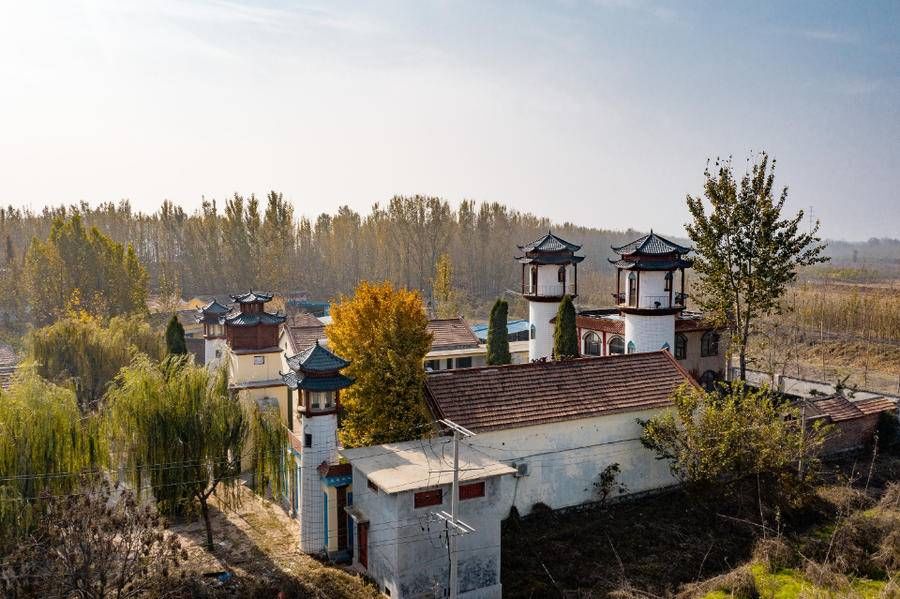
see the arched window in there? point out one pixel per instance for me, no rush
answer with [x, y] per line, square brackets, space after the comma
[561, 275]
[534, 280]
[680, 346]
[616, 345]
[669, 281]
[632, 290]
[709, 344]
[592, 345]
[532, 331]
[631, 348]
[709, 379]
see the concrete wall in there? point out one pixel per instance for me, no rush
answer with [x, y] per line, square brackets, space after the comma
[540, 345]
[412, 562]
[649, 333]
[564, 459]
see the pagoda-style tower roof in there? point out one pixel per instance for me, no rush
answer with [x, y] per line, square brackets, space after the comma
[316, 369]
[549, 249]
[251, 319]
[212, 312]
[651, 252]
[252, 297]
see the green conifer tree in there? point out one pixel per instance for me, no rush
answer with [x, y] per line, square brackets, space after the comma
[565, 338]
[175, 343]
[497, 336]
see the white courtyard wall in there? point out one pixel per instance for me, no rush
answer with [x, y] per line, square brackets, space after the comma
[564, 459]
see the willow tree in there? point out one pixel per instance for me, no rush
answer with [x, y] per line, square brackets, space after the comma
[181, 432]
[747, 253]
[382, 331]
[45, 447]
[498, 334]
[78, 351]
[565, 336]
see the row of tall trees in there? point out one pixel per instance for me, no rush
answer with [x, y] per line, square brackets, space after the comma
[243, 242]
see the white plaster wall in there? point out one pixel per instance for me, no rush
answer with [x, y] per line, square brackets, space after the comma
[565, 459]
[652, 289]
[548, 283]
[210, 345]
[416, 565]
[311, 513]
[649, 333]
[539, 315]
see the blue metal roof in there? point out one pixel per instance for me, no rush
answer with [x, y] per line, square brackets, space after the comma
[512, 327]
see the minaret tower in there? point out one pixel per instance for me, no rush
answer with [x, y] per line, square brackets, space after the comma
[212, 317]
[648, 304]
[314, 378]
[549, 272]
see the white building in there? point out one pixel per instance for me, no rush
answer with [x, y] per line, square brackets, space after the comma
[560, 424]
[399, 541]
[211, 316]
[454, 345]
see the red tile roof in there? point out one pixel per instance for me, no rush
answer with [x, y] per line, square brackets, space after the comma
[838, 408]
[451, 333]
[303, 337]
[518, 395]
[876, 405]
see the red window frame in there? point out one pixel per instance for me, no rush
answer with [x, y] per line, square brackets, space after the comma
[471, 491]
[428, 498]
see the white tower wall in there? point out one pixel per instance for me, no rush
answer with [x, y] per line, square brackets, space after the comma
[540, 344]
[649, 333]
[311, 513]
[652, 290]
[210, 346]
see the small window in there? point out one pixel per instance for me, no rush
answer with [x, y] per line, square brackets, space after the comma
[631, 347]
[471, 491]
[464, 362]
[592, 344]
[372, 486]
[218, 353]
[429, 498]
[680, 347]
[668, 281]
[257, 360]
[432, 365]
[321, 400]
[533, 330]
[307, 440]
[616, 345]
[709, 344]
[561, 275]
[449, 363]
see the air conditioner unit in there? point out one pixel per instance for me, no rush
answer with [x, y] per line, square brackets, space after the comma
[521, 469]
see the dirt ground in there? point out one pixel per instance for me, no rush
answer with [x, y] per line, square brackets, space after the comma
[257, 543]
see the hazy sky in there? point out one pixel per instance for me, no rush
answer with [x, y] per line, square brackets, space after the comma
[601, 113]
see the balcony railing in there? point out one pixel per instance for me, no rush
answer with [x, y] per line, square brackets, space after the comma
[653, 302]
[553, 290]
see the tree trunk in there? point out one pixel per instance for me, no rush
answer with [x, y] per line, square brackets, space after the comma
[204, 509]
[743, 363]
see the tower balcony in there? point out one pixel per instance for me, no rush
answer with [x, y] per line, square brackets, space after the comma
[652, 302]
[550, 291]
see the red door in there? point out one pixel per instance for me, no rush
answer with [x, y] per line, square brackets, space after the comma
[363, 530]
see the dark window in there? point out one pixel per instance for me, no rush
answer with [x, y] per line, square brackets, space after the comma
[708, 380]
[631, 347]
[428, 498]
[592, 344]
[432, 365]
[680, 347]
[532, 331]
[464, 362]
[307, 440]
[616, 345]
[561, 276]
[449, 363]
[709, 344]
[632, 290]
[668, 281]
[372, 485]
[471, 491]
[259, 360]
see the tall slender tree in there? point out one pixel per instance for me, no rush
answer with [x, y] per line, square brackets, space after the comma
[175, 343]
[565, 337]
[498, 335]
[746, 252]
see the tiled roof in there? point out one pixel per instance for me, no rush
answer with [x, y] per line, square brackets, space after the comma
[304, 319]
[316, 359]
[876, 405]
[609, 322]
[303, 337]
[251, 319]
[214, 307]
[296, 380]
[451, 333]
[839, 408]
[648, 264]
[549, 243]
[651, 243]
[518, 395]
[252, 297]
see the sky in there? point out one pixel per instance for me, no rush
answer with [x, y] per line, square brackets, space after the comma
[602, 113]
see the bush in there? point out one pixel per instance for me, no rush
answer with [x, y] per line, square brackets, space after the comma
[775, 553]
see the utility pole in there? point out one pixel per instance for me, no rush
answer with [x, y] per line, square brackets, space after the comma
[453, 519]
